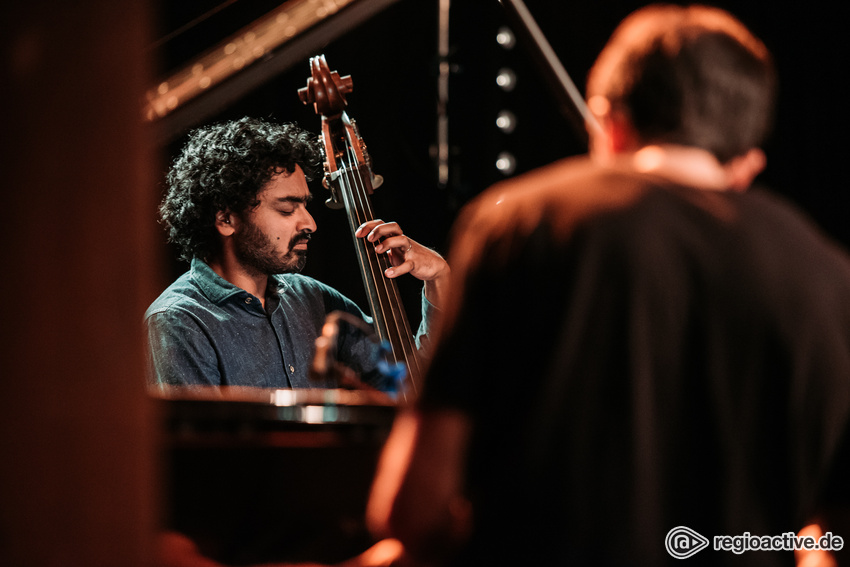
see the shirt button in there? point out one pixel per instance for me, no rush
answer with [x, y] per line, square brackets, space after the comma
[291, 368]
[247, 300]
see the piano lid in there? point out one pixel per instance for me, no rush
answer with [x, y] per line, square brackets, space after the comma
[285, 36]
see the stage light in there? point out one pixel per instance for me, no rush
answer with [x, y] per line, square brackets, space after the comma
[506, 79]
[506, 121]
[505, 37]
[506, 163]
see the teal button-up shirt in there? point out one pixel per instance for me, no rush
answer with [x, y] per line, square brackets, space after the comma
[203, 330]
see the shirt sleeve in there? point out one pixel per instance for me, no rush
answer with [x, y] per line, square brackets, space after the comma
[430, 313]
[179, 352]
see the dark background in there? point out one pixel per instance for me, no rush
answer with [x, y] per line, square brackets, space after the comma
[393, 60]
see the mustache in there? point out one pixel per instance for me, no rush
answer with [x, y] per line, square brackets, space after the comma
[299, 238]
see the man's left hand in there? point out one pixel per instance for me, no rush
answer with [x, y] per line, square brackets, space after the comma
[408, 257]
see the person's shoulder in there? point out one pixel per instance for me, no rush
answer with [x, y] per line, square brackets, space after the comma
[301, 283]
[295, 288]
[783, 220]
[559, 196]
[571, 178]
[183, 293]
[767, 201]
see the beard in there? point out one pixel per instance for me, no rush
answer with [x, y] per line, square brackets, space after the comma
[257, 252]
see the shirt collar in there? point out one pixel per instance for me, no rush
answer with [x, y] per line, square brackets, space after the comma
[218, 289]
[215, 287]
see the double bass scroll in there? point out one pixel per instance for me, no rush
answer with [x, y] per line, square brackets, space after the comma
[349, 177]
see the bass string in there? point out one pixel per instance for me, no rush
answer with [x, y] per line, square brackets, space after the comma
[360, 211]
[390, 302]
[399, 318]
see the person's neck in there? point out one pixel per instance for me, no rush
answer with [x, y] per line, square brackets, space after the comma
[229, 268]
[682, 165]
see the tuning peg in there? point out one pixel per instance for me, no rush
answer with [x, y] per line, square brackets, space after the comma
[325, 89]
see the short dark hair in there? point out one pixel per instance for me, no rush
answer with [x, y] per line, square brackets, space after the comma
[691, 75]
[223, 167]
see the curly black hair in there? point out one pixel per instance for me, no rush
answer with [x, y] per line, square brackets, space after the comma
[223, 167]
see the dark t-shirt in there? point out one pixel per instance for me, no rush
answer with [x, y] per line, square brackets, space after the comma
[638, 356]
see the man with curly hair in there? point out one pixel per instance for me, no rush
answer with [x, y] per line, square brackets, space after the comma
[242, 315]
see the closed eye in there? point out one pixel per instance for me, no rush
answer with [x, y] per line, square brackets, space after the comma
[288, 205]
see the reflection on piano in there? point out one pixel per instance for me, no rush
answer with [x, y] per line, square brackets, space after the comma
[257, 476]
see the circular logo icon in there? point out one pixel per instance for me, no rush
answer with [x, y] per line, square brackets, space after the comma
[683, 542]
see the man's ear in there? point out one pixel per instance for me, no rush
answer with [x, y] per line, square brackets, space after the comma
[621, 133]
[741, 170]
[614, 134]
[224, 223]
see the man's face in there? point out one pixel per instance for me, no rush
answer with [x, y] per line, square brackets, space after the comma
[272, 237]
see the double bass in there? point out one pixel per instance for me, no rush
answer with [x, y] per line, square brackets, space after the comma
[349, 177]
